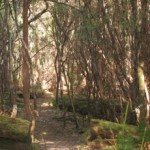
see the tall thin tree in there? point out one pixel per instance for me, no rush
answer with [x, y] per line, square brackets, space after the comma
[26, 63]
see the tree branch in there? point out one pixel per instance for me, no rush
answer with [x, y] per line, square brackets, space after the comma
[61, 3]
[31, 57]
[39, 14]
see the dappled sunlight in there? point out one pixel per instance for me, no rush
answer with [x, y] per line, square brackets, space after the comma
[50, 131]
[49, 94]
[50, 142]
[45, 104]
[57, 145]
[44, 133]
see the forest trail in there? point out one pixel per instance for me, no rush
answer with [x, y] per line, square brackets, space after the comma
[50, 131]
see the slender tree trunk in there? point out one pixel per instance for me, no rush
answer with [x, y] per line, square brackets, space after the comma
[141, 94]
[141, 68]
[25, 63]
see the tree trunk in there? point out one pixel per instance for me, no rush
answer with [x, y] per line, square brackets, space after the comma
[141, 94]
[25, 63]
[141, 67]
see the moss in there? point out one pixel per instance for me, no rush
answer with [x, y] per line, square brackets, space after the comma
[16, 129]
[105, 125]
[85, 136]
[126, 136]
[35, 146]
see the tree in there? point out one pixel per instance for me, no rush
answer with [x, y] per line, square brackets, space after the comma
[26, 62]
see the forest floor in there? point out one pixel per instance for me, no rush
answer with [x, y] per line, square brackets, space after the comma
[50, 130]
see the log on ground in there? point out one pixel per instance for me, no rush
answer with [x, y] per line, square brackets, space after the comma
[110, 130]
[103, 134]
[14, 128]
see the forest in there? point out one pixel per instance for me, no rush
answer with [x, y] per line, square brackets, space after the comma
[80, 67]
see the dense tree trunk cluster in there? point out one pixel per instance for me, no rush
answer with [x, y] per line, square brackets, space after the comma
[105, 44]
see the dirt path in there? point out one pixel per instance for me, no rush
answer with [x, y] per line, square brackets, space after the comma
[50, 131]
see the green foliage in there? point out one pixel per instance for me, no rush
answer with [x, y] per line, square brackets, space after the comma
[80, 104]
[85, 136]
[36, 146]
[144, 134]
[143, 139]
[107, 109]
[126, 142]
[5, 102]
[53, 103]
[126, 113]
[37, 88]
